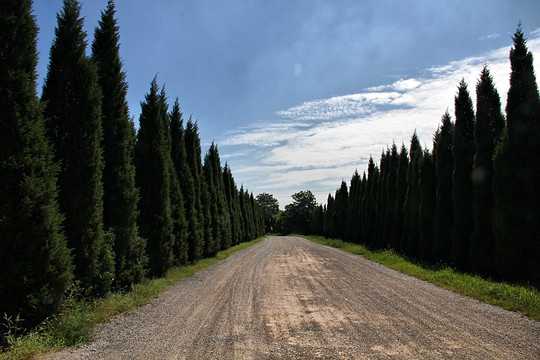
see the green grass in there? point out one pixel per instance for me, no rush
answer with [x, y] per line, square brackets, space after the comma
[514, 297]
[76, 322]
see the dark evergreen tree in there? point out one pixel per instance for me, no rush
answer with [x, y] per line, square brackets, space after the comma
[196, 240]
[72, 99]
[231, 193]
[153, 180]
[35, 264]
[330, 223]
[517, 174]
[317, 221]
[121, 196]
[380, 206]
[463, 151]
[340, 210]
[444, 214]
[221, 225]
[487, 131]
[178, 211]
[411, 207]
[368, 227]
[428, 189]
[353, 213]
[390, 190]
[401, 192]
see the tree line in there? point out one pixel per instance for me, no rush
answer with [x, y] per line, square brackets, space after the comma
[86, 199]
[472, 201]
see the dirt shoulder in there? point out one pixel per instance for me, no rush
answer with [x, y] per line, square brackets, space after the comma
[288, 298]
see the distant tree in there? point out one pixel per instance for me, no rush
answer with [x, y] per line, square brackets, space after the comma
[401, 192]
[463, 193]
[411, 207]
[72, 99]
[487, 131]
[444, 214]
[35, 264]
[270, 207]
[121, 196]
[329, 218]
[153, 180]
[428, 189]
[517, 174]
[298, 214]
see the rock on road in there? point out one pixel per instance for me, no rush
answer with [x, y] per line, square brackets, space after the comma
[288, 298]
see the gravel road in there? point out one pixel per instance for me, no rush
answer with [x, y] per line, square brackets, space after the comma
[288, 298]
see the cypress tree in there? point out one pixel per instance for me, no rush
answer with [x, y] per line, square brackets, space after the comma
[330, 228]
[463, 151]
[340, 210]
[35, 264]
[369, 203]
[178, 212]
[411, 207]
[401, 193]
[487, 131]
[380, 204]
[444, 214]
[153, 180]
[353, 213]
[121, 196]
[390, 190]
[199, 229]
[222, 226]
[428, 188]
[231, 193]
[72, 99]
[517, 174]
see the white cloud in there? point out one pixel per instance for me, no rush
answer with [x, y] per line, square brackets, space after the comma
[489, 37]
[318, 143]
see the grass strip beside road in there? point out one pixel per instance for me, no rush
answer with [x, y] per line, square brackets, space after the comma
[513, 297]
[76, 323]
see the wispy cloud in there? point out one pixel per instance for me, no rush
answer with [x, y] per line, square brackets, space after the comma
[318, 143]
[489, 37]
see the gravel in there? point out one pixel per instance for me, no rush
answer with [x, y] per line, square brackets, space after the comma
[288, 298]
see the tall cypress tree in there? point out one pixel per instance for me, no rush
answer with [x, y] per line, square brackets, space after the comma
[411, 207]
[487, 131]
[340, 211]
[222, 227]
[72, 99]
[390, 193]
[198, 229]
[517, 174]
[428, 188]
[353, 213]
[35, 264]
[444, 214]
[231, 193]
[153, 180]
[463, 151]
[181, 213]
[401, 193]
[180, 226]
[121, 196]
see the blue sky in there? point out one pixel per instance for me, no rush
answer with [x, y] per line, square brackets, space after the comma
[298, 93]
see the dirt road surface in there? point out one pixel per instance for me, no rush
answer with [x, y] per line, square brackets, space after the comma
[288, 298]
